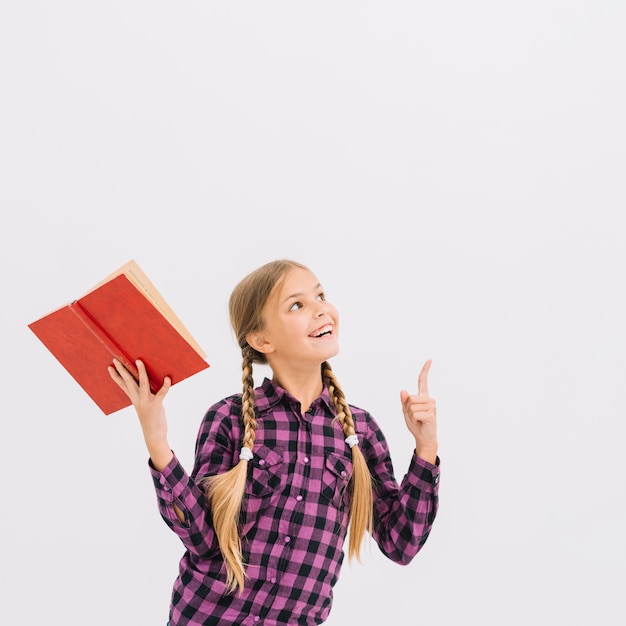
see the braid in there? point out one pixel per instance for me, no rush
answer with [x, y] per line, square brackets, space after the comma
[344, 415]
[247, 398]
[361, 513]
[225, 491]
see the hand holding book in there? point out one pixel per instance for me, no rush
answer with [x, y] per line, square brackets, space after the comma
[149, 409]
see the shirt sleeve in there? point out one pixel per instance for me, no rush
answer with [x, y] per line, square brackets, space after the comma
[403, 513]
[174, 486]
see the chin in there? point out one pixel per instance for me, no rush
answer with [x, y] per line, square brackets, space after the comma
[332, 353]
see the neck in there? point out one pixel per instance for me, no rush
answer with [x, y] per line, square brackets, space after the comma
[305, 386]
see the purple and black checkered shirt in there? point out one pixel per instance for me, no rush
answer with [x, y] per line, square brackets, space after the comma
[295, 513]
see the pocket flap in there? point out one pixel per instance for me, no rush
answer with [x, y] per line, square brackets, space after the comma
[339, 465]
[265, 457]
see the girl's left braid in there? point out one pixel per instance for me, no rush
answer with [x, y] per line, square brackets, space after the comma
[361, 509]
[344, 415]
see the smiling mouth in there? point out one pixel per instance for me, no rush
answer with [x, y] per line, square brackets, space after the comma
[324, 331]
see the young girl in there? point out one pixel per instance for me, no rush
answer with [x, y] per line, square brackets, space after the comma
[281, 470]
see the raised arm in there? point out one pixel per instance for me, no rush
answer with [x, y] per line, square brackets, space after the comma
[150, 411]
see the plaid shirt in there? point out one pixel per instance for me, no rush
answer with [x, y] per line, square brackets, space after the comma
[294, 515]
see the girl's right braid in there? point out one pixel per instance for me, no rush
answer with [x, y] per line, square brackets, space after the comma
[247, 399]
[225, 491]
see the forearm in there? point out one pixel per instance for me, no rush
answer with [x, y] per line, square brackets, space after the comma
[160, 452]
[427, 453]
[183, 506]
[405, 513]
[160, 457]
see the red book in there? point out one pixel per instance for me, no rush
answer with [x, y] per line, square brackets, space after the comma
[125, 317]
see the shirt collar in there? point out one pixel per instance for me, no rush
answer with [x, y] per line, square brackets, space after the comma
[269, 394]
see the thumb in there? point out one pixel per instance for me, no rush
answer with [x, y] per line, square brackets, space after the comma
[167, 383]
[404, 395]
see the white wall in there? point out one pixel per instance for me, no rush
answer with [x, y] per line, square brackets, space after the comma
[452, 172]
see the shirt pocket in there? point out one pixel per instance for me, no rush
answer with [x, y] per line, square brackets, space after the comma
[336, 478]
[265, 479]
[265, 472]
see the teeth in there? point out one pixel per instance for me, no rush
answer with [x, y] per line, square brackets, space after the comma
[323, 330]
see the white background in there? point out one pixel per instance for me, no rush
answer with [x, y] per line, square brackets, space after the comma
[453, 173]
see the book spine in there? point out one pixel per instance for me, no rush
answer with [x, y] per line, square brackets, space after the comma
[103, 337]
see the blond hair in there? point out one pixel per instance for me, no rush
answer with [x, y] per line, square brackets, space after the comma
[225, 491]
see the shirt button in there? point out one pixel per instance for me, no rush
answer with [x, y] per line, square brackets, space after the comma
[436, 480]
[273, 580]
[299, 498]
[261, 461]
[257, 618]
[287, 539]
[343, 474]
[306, 459]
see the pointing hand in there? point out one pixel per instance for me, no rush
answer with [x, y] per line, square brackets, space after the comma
[420, 415]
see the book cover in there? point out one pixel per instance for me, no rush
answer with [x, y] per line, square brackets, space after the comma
[124, 317]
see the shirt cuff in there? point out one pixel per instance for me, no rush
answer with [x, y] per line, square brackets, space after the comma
[422, 474]
[172, 482]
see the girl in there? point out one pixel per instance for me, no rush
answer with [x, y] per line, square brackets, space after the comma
[281, 470]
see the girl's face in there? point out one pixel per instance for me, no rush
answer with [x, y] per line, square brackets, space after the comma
[301, 326]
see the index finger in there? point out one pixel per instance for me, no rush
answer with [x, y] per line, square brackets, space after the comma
[422, 381]
[142, 375]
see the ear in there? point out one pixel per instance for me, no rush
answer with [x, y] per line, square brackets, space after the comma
[259, 342]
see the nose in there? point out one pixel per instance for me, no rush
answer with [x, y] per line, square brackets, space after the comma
[322, 308]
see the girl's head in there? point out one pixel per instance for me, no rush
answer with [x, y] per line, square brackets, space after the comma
[279, 312]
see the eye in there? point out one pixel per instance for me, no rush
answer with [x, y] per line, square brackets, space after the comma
[321, 297]
[295, 306]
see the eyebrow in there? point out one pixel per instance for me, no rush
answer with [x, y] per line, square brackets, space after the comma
[300, 294]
